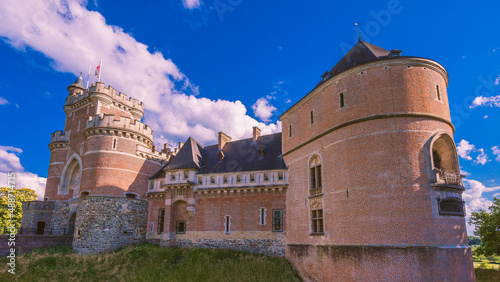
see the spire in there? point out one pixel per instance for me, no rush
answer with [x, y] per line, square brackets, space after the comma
[78, 83]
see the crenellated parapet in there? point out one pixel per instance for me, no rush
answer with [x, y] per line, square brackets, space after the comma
[59, 139]
[124, 127]
[107, 96]
[152, 154]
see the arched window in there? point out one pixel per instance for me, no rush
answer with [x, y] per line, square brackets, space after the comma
[315, 180]
[84, 193]
[451, 206]
[130, 195]
[443, 161]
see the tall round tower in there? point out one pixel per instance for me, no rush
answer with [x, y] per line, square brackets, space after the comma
[375, 185]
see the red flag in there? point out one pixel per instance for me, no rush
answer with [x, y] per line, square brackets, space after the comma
[98, 69]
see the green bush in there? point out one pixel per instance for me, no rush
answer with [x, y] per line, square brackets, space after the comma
[484, 264]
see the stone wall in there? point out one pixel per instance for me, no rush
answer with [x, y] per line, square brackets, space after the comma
[272, 247]
[106, 223]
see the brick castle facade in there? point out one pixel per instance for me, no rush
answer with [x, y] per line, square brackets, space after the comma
[362, 184]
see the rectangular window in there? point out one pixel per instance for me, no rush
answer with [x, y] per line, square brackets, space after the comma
[161, 184]
[277, 220]
[151, 227]
[185, 174]
[180, 227]
[238, 178]
[161, 220]
[212, 179]
[341, 97]
[172, 176]
[252, 177]
[317, 221]
[227, 224]
[312, 117]
[266, 176]
[438, 93]
[281, 175]
[114, 143]
[200, 179]
[225, 178]
[262, 217]
[290, 131]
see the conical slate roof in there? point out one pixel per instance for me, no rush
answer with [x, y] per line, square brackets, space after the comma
[360, 53]
[78, 82]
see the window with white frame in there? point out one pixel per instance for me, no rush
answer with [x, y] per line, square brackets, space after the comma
[262, 216]
[278, 220]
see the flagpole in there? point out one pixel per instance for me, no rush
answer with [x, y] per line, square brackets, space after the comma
[100, 70]
[88, 77]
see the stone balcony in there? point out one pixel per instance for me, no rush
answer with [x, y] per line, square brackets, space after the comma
[448, 180]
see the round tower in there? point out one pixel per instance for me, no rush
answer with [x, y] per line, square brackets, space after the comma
[375, 186]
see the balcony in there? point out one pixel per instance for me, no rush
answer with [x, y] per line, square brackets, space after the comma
[448, 180]
[315, 192]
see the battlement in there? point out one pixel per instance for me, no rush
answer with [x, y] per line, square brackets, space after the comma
[150, 153]
[59, 136]
[124, 123]
[96, 91]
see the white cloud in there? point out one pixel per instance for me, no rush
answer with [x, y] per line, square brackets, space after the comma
[482, 158]
[493, 101]
[475, 199]
[263, 109]
[496, 152]
[10, 162]
[464, 149]
[3, 101]
[485, 117]
[72, 37]
[497, 80]
[191, 4]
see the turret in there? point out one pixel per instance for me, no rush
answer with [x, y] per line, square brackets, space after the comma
[77, 87]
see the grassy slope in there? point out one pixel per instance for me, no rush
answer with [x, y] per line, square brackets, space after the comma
[148, 263]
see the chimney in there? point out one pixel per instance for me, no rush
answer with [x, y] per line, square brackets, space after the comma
[223, 139]
[256, 133]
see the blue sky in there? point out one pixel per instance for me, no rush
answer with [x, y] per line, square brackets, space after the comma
[227, 65]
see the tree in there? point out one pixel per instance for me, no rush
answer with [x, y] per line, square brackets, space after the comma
[488, 228]
[474, 240]
[17, 198]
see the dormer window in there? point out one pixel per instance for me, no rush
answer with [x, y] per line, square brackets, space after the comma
[262, 151]
[185, 174]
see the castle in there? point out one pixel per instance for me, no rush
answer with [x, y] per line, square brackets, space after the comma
[362, 184]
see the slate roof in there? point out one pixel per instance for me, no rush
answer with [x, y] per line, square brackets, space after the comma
[240, 155]
[78, 82]
[361, 52]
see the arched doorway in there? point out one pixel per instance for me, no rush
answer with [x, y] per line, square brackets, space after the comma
[179, 217]
[71, 224]
[71, 178]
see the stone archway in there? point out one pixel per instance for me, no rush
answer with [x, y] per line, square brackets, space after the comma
[70, 183]
[71, 224]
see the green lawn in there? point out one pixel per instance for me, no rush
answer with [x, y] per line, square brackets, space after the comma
[148, 263]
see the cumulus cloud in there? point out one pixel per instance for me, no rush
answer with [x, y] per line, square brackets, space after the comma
[3, 101]
[191, 4]
[465, 149]
[10, 162]
[475, 199]
[496, 152]
[263, 109]
[482, 158]
[493, 101]
[72, 37]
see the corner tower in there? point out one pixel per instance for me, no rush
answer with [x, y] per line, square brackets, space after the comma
[104, 149]
[375, 186]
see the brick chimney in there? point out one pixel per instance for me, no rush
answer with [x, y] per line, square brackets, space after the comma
[256, 133]
[223, 139]
[165, 149]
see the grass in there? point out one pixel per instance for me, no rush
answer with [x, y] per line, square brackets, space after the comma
[148, 263]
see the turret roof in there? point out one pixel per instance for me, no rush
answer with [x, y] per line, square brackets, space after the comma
[78, 82]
